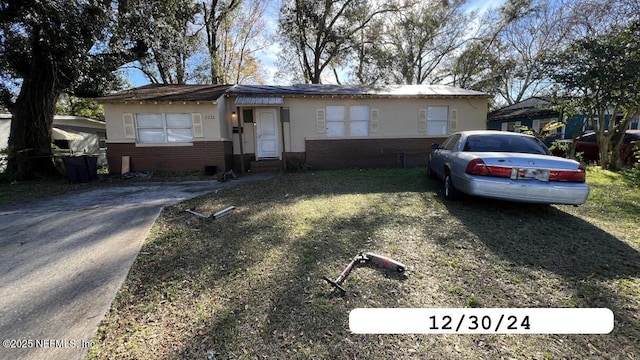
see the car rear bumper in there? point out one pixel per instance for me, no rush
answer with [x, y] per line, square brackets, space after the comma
[531, 191]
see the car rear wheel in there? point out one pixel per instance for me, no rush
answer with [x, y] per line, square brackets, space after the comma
[450, 192]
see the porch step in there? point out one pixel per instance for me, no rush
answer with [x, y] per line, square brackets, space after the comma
[264, 166]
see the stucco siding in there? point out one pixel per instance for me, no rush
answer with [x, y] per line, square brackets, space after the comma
[211, 124]
[398, 119]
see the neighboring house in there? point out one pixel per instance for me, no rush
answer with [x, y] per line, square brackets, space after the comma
[189, 127]
[71, 134]
[535, 113]
[5, 130]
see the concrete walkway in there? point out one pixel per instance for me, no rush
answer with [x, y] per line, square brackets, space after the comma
[63, 259]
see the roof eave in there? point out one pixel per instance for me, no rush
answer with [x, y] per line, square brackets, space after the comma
[368, 96]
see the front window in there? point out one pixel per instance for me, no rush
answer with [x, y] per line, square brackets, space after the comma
[355, 120]
[164, 128]
[335, 121]
[359, 120]
[437, 120]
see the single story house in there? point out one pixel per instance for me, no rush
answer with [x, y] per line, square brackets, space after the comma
[70, 134]
[338, 126]
[190, 127]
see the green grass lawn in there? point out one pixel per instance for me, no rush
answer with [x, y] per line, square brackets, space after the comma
[249, 285]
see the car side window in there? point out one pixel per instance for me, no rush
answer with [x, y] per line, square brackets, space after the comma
[452, 142]
[630, 137]
[445, 143]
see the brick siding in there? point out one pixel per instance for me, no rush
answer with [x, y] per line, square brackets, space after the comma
[171, 158]
[292, 157]
[368, 153]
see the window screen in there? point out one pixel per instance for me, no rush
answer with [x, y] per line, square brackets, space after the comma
[179, 128]
[150, 128]
[164, 128]
[437, 120]
[359, 120]
[335, 121]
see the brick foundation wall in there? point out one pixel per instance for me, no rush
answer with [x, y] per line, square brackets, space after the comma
[292, 157]
[367, 153]
[172, 158]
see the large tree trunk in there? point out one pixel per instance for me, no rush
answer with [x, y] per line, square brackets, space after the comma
[30, 138]
[603, 148]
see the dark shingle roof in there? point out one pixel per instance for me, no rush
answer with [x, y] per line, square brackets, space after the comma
[167, 92]
[328, 89]
[529, 108]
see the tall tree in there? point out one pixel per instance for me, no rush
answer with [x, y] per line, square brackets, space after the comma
[600, 75]
[242, 35]
[55, 46]
[478, 66]
[233, 31]
[71, 105]
[523, 45]
[172, 37]
[318, 33]
[216, 14]
[413, 42]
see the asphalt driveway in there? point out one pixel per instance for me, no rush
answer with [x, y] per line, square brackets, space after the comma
[63, 259]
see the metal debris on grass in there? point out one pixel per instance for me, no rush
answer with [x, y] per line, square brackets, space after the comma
[215, 216]
[378, 260]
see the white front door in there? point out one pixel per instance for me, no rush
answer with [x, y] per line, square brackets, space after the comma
[266, 134]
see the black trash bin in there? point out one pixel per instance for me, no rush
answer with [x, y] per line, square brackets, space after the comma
[81, 169]
[210, 170]
[92, 167]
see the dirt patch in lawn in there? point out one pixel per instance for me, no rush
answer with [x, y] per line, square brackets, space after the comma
[249, 285]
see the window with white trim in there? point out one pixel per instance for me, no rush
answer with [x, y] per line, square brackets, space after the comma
[335, 118]
[359, 120]
[437, 120]
[588, 126]
[164, 128]
[340, 120]
[538, 125]
[513, 126]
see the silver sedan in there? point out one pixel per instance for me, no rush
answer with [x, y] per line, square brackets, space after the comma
[506, 166]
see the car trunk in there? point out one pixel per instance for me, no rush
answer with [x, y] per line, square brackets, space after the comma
[526, 161]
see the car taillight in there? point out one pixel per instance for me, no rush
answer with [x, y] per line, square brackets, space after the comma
[579, 175]
[478, 167]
